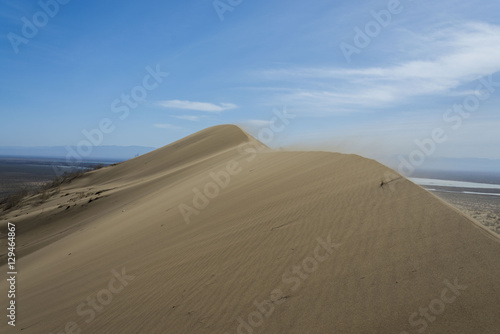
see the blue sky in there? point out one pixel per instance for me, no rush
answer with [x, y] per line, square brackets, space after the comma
[396, 88]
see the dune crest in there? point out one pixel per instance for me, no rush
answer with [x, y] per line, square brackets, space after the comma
[282, 242]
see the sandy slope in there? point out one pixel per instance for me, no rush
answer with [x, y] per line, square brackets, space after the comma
[294, 242]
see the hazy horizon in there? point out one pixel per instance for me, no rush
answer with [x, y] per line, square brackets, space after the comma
[115, 153]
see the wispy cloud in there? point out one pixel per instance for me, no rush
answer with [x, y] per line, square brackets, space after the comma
[199, 106]
[167, 126]
[188, 117]
[452, 57]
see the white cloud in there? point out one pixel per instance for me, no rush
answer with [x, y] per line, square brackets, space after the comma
[199, 106]
[167, 126]
[188, 117]
[450, 58]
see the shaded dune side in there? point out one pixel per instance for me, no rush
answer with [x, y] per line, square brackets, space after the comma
[396, 245]
[181, 153]
[46, 223]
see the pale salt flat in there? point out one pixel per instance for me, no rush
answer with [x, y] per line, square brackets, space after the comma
[450, 183]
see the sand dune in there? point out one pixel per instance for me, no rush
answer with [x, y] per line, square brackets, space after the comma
[216, 233]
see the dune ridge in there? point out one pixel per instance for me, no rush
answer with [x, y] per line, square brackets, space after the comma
[294, 242]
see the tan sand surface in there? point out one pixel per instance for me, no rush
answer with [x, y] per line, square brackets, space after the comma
[291, 242]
